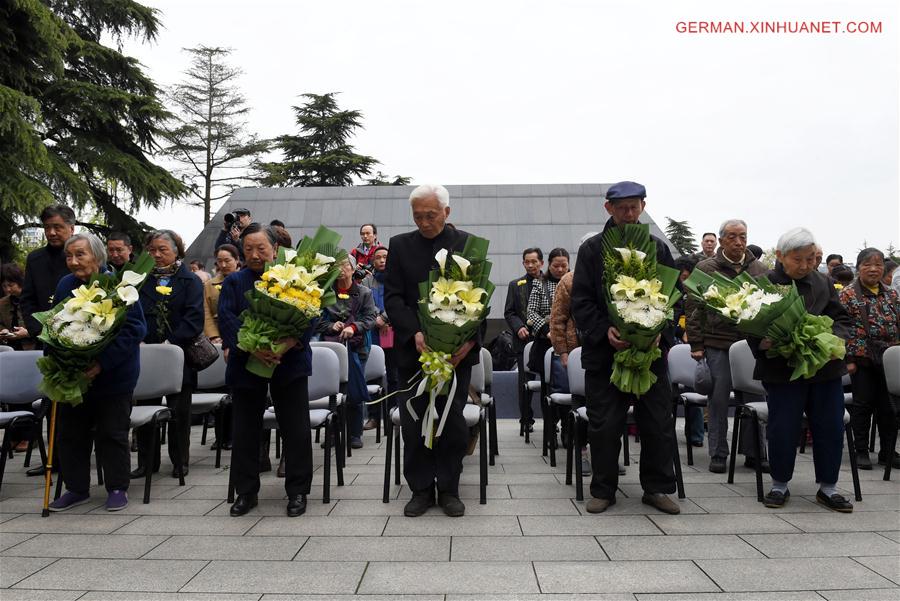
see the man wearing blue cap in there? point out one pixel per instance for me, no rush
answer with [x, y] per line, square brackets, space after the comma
[607, 406]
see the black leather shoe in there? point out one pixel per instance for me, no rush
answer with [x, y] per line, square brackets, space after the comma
[863, 461]
[419, 504]
[451, 505]
[40, 470]
[184, 471]
[776, 499]
[751, 463]
[243, 504]
[835, 502]
[296, 506]
[138, 472]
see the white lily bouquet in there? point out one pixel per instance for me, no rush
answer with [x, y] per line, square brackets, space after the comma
[289, 295]
[759, 308]
[454, 302]
[77, 329]
[640, 296]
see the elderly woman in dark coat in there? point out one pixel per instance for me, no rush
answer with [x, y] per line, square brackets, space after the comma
[821, 397]
[172, 299]
[104, 416]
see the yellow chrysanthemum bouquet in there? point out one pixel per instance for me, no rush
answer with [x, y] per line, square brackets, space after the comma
[289, 295]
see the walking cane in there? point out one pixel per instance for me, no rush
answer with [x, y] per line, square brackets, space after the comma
[49, 467]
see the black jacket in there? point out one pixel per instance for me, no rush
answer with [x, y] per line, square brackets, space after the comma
[44, 268]
[820, 298]
[185, 307]
[588, 304]
[410, 260]
[516, 307]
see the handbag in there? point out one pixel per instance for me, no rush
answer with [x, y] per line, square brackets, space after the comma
[703, 382]
[200, 353]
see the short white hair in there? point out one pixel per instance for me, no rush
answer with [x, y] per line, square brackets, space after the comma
[799, 237]
[98, 248]
[730, 223]
[428, 190]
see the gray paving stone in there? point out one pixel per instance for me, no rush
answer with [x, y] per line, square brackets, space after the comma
[505, 478]
[141, 596]
[891, 534]
[869, 503]
[455, 577]
[5, 517]
[586, 525]
[872, 594]
[318, 526]
[317, 577]
[622, 577]
[755, 596]
[694, 490]
[829, 544]
[228, 547]
[86, 546]
[16, 569]
[533, 468]
[545, 507]
[712, 546]
[866, 521]
[541, 491]
[275, 508]
[594, 597]
[799, 487]
[790, 574]
[727, 505]
[114, 575]
[440, 525]
[355, 492]
[375, 548]
[889, 567]
[723, 524]
[353, 598]
[62, 523]
[11, 539]
[526, 548]
[177, 506]
[466, 492]
[36, 505]
[11, 594]
[189, 525]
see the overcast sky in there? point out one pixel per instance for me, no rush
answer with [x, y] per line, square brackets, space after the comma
[778, 129]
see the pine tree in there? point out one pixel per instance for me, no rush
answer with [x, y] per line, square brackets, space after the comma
[321, 154]
[380, 179]
[207, 136]
[680, 235]
[77, 118]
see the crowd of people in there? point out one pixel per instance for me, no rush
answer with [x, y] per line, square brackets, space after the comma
[378, 295]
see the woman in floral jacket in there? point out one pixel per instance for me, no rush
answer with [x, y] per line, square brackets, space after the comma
[875, 310]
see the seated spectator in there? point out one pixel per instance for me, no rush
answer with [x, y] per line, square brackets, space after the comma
[119, 249]
[540, 303]
[832, 261]
[707, 247]
[382, 333]
[350, 321]
[695, 417]
[282, 236]
[366, 250]
[199, 270]
[13, 332]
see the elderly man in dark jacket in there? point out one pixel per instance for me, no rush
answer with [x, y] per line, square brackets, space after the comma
[711, 336]
[607, 406]
[410, 261]
[45, 266]
[515, 314]
[820, 397]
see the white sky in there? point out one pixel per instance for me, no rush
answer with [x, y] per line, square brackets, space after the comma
[778, 129]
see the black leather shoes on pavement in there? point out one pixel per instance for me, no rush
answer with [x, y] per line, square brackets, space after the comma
[243, 504]
[451, 505]
[419, 504]
[296, 506]
[835, 502]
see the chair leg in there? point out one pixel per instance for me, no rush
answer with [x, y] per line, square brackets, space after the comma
[872, 436]
[757, 436]
[326, 477]
[735, 439]
[626, 456]
[551, 442]
[99, 465]
[176, 450]
[548, 422]
[482, 460]
[889, 455]
[148, 458]
[687, 438]
[397, 457]
[3, 447]
[676, 460]
[220, 411]
[570, 451]
[278, 445]
[389, 442]
[28, 452]
[495, 444]
[230, 497]
[578, 443]
[803, 435]
[857, 493]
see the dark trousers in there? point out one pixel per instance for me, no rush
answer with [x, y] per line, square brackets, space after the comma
[870, 394]
[357, 394]
[180, 404]
[110, 416]
[607, 408]
[824, 406]
[443, 463]
[526, 413]
[291, 401]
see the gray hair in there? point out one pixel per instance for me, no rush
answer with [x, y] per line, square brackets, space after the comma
[427, 190]
[799, 237]
[729, 223]
[98, 248]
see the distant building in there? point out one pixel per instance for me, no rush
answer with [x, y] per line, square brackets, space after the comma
[512, 217]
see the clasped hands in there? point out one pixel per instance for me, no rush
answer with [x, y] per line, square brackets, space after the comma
[271, 358]
[455, 358]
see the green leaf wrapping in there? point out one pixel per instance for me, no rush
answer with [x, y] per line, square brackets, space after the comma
[805, 341]
[631, 370]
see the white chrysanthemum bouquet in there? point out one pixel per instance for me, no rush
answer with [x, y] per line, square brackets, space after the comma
[640, 296]
[77, 329]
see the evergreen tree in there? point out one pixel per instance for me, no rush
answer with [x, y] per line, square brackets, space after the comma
[681, 236]
[321, 155]
[207, 135]
[77, 118]
[380, 179]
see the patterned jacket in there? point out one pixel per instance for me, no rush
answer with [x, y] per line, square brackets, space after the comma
[540, 302]
[876, 318]
[563, 334]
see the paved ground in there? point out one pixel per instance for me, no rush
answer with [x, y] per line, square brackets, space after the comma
[531, 541]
